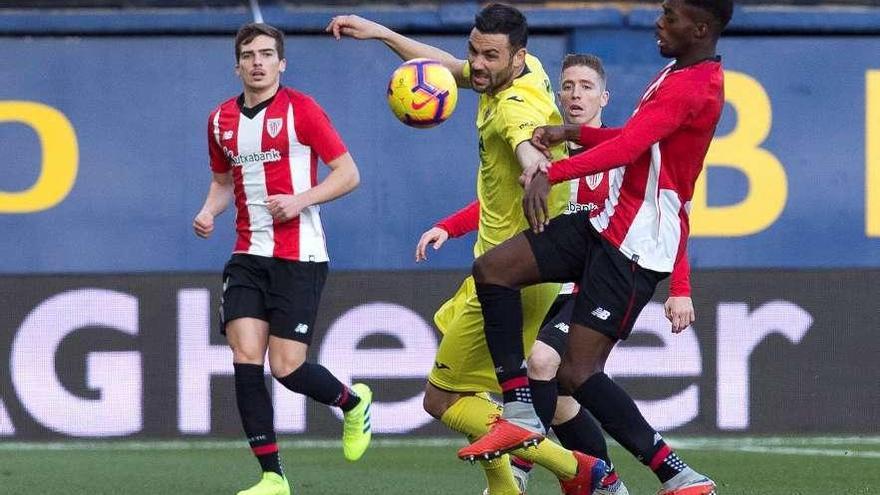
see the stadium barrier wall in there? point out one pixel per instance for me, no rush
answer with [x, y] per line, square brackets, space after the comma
[421, 17]
[106, 138]
[140, 356]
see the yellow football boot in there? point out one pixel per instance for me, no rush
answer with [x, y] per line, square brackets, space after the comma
[356, 432]
[270, 484]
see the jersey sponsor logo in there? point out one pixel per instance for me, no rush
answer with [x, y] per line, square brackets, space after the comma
[227, 135]
[601, 313]
[273, 126]
[593, 181]
[562, 327]
[272, 155]
[576, 207]
[526, 125]
[301, 328]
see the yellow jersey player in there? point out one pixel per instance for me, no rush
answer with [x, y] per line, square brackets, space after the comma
[515, 98]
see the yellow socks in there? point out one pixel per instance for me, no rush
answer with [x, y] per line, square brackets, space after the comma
[551, 456]
[499, 476]
[471, 415]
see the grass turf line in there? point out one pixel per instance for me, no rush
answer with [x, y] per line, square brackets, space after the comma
[404, 466]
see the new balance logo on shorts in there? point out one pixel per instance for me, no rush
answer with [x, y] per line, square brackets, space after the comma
[562, 327]
[301, 328]
[601, 313]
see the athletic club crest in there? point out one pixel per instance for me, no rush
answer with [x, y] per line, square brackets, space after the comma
[594, 180]
[273, 126]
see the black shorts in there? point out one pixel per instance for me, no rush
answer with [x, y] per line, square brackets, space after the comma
[281, 292]
[613, 288]
[554, 330]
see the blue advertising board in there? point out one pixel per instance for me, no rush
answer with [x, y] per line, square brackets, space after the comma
[106, 161]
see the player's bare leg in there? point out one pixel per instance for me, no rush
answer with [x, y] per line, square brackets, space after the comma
[582, 374]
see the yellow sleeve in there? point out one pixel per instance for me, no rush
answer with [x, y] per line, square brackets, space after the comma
[466, 70]
[519, 114]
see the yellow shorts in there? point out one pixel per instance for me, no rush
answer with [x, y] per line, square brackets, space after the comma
[463, 363]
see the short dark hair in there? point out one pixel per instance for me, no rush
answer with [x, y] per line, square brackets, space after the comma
[249, 31]
[499, 18]
[721, 10]
[586, 60]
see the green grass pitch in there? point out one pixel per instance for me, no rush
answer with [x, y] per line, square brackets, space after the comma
[741, 466]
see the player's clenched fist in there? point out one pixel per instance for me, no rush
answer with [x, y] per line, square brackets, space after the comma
[203, 224]
[355, 27]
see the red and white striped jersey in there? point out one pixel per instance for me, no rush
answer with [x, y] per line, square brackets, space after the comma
[273, 149]
[589, 192]
[662, 146]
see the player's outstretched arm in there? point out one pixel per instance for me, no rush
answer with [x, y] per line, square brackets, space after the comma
[458, 224]
[357, 27]
[341, 180]
[219, 194]
[531, 161]
[529, 156]
[547, 136]
[656, 119]
[592, 136]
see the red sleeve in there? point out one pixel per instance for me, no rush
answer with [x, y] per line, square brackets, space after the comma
[219, 163]
[314, 129]
[680, 280]
[463, 221]
[656, 119]
[591, 136]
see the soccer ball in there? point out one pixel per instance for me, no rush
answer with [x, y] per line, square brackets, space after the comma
[422, 93]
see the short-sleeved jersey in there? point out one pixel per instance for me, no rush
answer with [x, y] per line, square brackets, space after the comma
[503, 122]
[273, 149]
